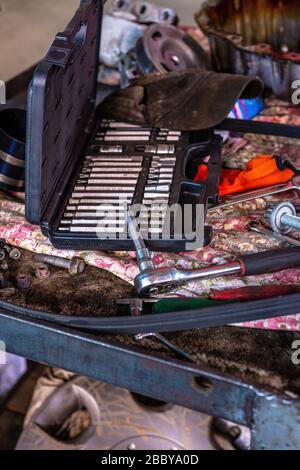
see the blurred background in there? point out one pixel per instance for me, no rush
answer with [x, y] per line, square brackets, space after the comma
[27, 28]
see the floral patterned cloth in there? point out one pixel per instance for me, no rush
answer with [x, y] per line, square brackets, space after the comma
[231, 235]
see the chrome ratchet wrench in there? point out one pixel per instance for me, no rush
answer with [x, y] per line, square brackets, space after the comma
[153, 281]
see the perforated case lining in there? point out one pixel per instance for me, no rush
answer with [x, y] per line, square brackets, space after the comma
[60, 104]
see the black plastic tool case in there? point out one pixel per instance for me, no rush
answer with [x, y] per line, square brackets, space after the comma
[63, 125]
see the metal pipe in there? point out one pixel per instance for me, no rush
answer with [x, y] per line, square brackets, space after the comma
[282, 217]
[291, 221]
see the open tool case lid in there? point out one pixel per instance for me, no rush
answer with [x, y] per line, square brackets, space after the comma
[61, 125]
[61, 103]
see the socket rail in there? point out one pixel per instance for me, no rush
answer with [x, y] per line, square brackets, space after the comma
[123, 162]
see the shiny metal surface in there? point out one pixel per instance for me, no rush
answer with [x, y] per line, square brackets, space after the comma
[258, 227]
[89, 159]
[167, 279]
[260, 193]
[143, 255]
[122, 139]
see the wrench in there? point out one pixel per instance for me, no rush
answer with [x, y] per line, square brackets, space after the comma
[258, 227]
[152, 281]
[136, 309]
[249, 196]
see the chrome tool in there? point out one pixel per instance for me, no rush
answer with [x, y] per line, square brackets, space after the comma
[283, 217]
[258, 227]
[152, 281]
[260, 193]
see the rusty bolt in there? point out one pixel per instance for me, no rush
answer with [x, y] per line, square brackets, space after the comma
[23, 280]
[3, 266]
[42, 271]
[74, 266]
[13, 253]
[77, 266]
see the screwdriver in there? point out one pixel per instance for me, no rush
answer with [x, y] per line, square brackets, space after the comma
[248, 293]
[178, 305]
[216, 298]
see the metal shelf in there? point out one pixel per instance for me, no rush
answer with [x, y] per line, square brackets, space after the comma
[274, 419]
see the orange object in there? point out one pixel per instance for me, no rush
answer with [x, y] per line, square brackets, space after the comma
[202, 174]
[261, 172]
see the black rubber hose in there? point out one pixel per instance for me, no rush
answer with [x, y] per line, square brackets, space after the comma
[259, 127]
[169, 322]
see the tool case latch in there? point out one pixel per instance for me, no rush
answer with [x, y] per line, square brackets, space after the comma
[60, 52]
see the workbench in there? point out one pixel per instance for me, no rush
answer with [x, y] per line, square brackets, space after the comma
[272, 415]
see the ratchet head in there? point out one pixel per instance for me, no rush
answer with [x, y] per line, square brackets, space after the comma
[158, 281]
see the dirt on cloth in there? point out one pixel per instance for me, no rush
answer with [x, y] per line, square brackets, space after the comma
[258, 356]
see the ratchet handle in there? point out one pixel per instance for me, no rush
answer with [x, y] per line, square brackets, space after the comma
[270, 261]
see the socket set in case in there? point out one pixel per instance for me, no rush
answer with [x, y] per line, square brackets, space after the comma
[83, 171]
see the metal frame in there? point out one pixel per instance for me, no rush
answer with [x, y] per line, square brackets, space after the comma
[273, 419]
